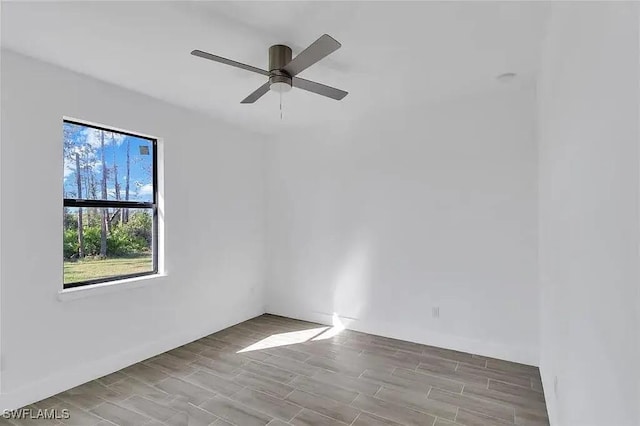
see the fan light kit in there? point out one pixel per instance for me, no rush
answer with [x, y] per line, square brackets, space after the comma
[283, 70]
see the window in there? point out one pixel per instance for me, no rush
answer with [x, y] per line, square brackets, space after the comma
[110, 205]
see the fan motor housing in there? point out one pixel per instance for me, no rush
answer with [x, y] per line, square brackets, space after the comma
[279, 56]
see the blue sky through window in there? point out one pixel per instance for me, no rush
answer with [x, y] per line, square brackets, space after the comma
[83, 148]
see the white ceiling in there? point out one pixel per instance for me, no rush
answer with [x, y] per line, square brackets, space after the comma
[393, 56]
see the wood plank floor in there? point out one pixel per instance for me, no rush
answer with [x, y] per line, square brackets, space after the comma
[278, 371]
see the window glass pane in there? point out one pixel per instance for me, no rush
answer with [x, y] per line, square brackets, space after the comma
[101, 243]
[106, 165]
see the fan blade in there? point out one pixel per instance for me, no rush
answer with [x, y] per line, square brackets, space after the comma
[205, 55]
[320, 89]
[312, 54]
[257, 94]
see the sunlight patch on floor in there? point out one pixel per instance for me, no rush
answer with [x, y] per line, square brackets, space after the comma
[295, 337]
[285, 339]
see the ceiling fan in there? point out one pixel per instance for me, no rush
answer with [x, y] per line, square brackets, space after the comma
[283, 70]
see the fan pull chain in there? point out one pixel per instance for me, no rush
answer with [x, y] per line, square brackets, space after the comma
[280, 106]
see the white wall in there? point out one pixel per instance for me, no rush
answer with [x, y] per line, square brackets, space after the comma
[214, 223]
[382, 218]
[589, 186]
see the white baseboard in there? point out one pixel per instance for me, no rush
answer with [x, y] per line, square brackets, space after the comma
[523, 355]
[69, 378]
[549, 395]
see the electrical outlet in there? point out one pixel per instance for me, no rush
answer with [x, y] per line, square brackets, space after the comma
[435, 312]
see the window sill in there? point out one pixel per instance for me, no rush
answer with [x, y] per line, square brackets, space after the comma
[108, 287]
